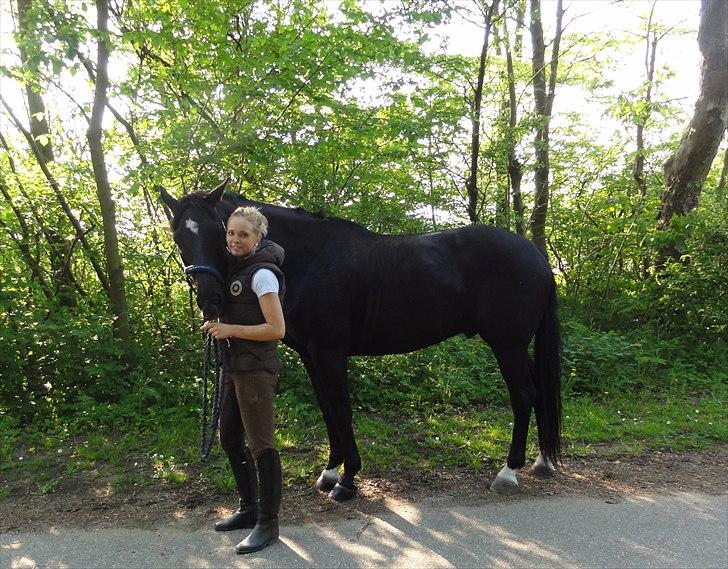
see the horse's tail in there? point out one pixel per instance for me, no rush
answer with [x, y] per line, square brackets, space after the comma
[548, 381]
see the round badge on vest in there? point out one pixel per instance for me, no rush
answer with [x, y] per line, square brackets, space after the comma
[236, 287]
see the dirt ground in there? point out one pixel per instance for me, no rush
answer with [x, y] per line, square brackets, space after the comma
[81, 501]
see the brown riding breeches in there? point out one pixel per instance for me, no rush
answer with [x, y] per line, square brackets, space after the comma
[246, 412]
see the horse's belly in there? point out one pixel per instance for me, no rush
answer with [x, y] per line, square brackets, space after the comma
[400, 341]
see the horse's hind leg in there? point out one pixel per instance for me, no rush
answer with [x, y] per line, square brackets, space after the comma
[542, 466]
[333, 392]
[515, 367]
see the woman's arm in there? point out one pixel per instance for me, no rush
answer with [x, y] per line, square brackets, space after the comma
[274, 327]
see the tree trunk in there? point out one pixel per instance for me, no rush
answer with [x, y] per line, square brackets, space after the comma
[515, 171]
[36, 107]
[471, 184]
[503, 186]
[638, 170]
[40, 133]
[544, 104]
[103, 189]
[150, 203]
[53, 183]
[686, 170]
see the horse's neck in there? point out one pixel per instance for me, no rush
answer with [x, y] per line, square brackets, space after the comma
[226, 206]
[295, 229]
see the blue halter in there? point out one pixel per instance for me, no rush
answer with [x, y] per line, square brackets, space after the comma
[209, 269]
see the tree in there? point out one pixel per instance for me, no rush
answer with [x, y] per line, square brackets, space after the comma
[686, 170]
[114, 266]
[544, 102]
[59, 252]
[645, 105]
[471, 183]
[515, 167]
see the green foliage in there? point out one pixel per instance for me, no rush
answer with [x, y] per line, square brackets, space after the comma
[48, 363]
[166, 468]
[600, 363]
[458, 372]
[689, 294]
[348, 111]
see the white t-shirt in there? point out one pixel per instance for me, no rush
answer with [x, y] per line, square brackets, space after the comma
[264, 281]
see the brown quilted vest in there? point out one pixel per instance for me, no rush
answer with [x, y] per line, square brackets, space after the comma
[242, 307]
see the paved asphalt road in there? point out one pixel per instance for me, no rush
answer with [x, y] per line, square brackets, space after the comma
[684, 530]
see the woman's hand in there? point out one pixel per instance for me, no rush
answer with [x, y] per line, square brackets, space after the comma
[218, 330]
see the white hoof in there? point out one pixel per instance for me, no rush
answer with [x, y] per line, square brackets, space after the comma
[328, 479]
[542, 466]
[505, 482]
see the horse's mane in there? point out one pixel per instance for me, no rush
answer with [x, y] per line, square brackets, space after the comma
[197, 198]
[294, 213]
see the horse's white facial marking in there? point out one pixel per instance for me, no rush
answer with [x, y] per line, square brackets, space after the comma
[192, 225]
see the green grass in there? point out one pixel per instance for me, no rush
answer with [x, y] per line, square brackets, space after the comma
[670, 422]
[129, 479]
[164, 448]
[48, 487]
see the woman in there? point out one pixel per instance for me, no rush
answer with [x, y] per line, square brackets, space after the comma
[253, 321]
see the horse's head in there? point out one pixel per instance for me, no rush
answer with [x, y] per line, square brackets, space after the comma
[199, 234]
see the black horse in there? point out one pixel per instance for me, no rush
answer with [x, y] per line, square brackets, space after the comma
[354, 292]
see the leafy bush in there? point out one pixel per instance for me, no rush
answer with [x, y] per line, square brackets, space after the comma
[690, 294]
[66, 364]
[459, 371]
[631, 362]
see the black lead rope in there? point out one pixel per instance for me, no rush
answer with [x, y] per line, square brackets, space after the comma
[216, 355]
[219, 360]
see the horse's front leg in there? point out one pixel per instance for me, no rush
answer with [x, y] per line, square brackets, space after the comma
[330, 475]
[515, 367]
[332, 391]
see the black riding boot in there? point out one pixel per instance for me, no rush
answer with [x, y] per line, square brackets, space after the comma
[246, 481]
[265, 531]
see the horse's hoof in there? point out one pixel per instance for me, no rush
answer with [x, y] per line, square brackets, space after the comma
[542, 470]
[342, 493]
[505, 482]
[503, 486]
[543, 467]
[327, 481]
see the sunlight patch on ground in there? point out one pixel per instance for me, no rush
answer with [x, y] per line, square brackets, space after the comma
[23, 563]
[104, 491]
[517, 549]
[404, 509]
[298, 550]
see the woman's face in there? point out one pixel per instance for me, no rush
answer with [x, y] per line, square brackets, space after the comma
[241, 236]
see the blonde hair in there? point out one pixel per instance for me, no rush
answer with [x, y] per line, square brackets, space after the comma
[255, 217]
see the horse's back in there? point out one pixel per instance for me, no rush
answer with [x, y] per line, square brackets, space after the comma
[381, 294]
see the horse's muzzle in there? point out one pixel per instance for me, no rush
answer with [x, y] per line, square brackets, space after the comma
[211, 310]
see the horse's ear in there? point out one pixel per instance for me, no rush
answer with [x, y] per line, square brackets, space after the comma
[215, 195]
[168, 199]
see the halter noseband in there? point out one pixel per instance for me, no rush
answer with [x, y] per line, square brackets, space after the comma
[208, 269]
